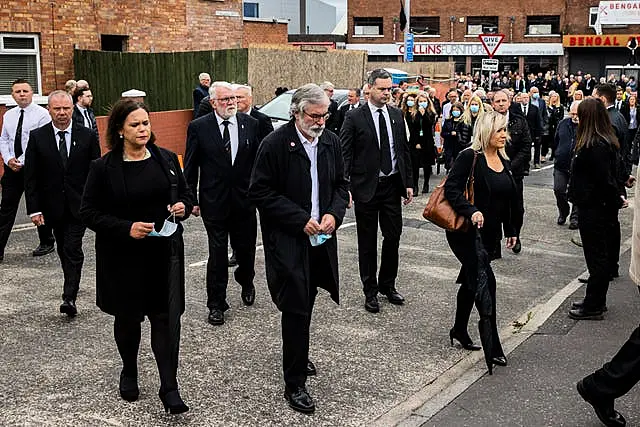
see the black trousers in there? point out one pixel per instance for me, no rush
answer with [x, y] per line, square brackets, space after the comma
[600, 234]
[518, 217]
[560, 186]
[464, 248]
[165, 344]
[619, 375]
[295, 326]
[242, 230]
[69, 234]
[419, 160]
[12, 189]
[385, 207]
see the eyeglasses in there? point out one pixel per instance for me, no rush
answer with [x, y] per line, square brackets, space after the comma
[227, 99]
[317, 117]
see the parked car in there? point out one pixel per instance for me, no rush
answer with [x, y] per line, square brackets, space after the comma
[278, 108]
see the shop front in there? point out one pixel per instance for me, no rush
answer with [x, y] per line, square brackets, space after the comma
[592, 54]
[467, 56]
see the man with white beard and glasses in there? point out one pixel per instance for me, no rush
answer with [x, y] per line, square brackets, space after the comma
[299, 187]
[221, 149]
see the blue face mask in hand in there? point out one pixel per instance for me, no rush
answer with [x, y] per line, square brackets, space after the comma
[168, 228]
[318, 239]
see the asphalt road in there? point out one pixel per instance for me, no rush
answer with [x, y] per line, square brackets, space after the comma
[371, 368]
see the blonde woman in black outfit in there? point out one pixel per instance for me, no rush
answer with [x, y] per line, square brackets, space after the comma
[139, 272]
[495, 202]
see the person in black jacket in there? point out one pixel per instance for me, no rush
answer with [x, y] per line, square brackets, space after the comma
[450, 134]
[555, 112]
[420, 118]
[594, 189]
[494, 206]
[565, 142]
[200, 91]
[519, 152]
[56, 167]
[139, 265]
[334, 118]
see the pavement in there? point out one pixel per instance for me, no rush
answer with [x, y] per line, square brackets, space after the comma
[393, 368]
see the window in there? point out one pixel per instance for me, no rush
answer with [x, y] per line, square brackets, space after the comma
[593, 16]
[113, 43]
[425, 25]
[367, 27]
[19, 59]
[251, 10]
[543, 25]
[482, 25]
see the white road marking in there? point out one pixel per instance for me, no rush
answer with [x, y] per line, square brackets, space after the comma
[542, 168]
[22, 227]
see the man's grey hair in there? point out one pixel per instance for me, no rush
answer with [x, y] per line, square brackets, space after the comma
[58, 94]
[575, 104]
[378, 73]
[204, 76]
[326, 85]
[214, 85]
[245, 87]
[305, 95]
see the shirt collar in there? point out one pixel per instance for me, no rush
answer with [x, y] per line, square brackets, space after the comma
[232, 119]
[81, 108]
[304, 140]
[68, 129]
[375, 109]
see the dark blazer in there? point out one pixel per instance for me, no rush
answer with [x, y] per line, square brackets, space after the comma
[78, 119]
[204, 108]
[198, 93]
[333, 122]
[361, 151]
[265, 127]
[621, 127]
[281, 189]
[565, 142]
[519, 146]
[456, 184]
[342, 112]
[223, 187]
[51, 188]
[534, 121]
[120, 276]
[624, 110]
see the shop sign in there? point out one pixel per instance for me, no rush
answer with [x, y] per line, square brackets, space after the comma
[461, 49]
[591, 40]
[619, 12]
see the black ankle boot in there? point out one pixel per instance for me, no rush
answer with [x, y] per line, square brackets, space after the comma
[172, 402]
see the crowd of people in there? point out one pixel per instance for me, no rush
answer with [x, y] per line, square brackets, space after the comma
[301, 178]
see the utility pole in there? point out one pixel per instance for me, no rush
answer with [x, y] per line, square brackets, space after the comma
[303, 16]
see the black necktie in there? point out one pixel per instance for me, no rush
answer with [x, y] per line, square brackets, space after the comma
[62, 147]
[385, 146]
[86, 115]
[525, 110]
[17, 143]
[226, 138]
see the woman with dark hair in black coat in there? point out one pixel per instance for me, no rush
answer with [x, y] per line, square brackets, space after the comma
[495, 202]
[128, 196]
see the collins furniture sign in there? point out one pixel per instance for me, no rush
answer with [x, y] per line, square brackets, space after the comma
[461, 49]
[619, 12]
[590, 40]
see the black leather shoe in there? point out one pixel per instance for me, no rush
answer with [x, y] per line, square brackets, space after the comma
[129, 390]
[582, 314]
[573, 226]
[394, 297]
[499, 361]
[69, 308]
[42, 250]
[232, 260]
[248, 296]
[465, 341]
[562, 220]
[372, 305]
[577, 305]
[517, 247]
[300, 400]
[604, 410]
[311, 369]
[216, 317]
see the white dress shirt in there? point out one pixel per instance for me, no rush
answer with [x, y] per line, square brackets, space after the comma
[34, 117]
[233, 133]
[376, 123]
[85, 116]
[67, 137]
[311, 147]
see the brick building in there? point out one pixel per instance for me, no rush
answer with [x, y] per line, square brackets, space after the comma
[449, 32]
[37, 37]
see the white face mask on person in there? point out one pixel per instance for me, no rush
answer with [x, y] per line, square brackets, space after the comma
[168, 228]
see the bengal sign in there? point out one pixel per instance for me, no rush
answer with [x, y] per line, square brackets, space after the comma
[590, 40]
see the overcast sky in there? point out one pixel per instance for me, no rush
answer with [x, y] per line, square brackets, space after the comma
[341, 6]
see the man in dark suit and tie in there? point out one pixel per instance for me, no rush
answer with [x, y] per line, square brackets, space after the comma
[83, 114]
[377, 163]
[16, 125]
[221, 149]
[353, 102]
[56, 168]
